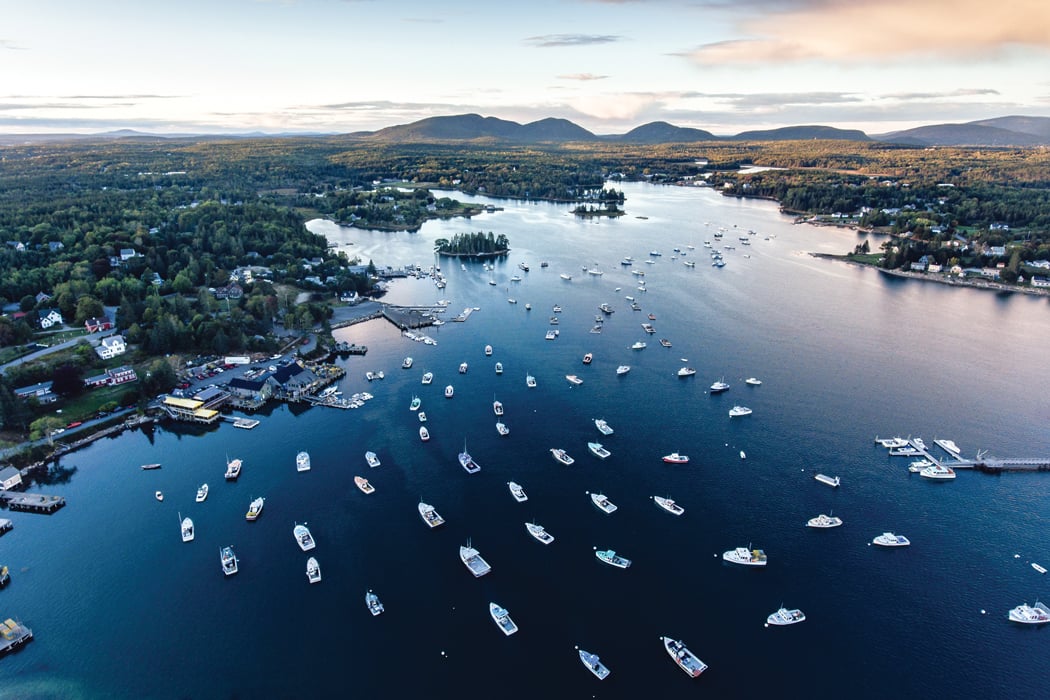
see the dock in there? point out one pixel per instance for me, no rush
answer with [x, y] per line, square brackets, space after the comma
[983, 463]
[246, 423]
[32, 502]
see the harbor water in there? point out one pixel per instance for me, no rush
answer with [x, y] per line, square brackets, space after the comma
[122, 608]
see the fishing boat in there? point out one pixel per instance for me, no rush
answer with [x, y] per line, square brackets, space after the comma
[573, 379]
[745, 556]
[406, 363]
[302, 462]
[832, 481]
[539, 533]
[430, 515]
[186, 527]
[233, 469]
[638, 345]
[372, 459]
[159, 495]
[427, 377]
[588, 358]
[463, 368]
[472, 559]
[467, 462]
[562, 456]
[612, 558]
[502, 428]
[530, 381]
[416, 403]
[303, 537]
[502, 619]
[362, 483]
[593, 664]
[669, 505]
[424, 434]
[737, 411]
[313, 571]
[603, 427]
[888, 539]
[422, 416]
[686, 660]
[598, 450]
[686, 372]
[255, 509]
[1026, 614]
[719, 386]
[228, 560]
[603, 503]
[202, 493]
[497, 407]
[675, 458]
[499, 368]
[517, 491]
[753, 381]
[783, 616]
[824, 521]
[488, 351]
[372, 602]
[448, 391]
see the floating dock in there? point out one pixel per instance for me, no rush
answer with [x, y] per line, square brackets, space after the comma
[32, 502]
[989, 465]
[246, 423]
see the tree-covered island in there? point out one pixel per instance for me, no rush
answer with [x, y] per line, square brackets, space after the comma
[473, 245]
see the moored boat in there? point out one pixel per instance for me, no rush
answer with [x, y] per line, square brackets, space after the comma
[372, 459]
[422, 416]
[888, 539]
[937, 471]
[502, 428]
[598, 450]
[233, 469]
[303, 537]
[186, 527]
[622, 370]
[472, 559]
[665, 342]
[499, 368]
[1039, 568]
[424, 434]
[686, 372]
[638, 345]
[372, 602]
[588, 358]
[562, 456]
[159, 495]
[603, 503]
[467, 462]
[686, 660]
[745, 556]
[430, 515]
[313, 570]
[416, 403]
[719, 386]
[502, 619]
[517, 491]
[675, 458]
[832, 481]
[497, 407]
[530, 381]
[593, 664]
[1026, 614]
[427, 377]
[302, 462]
[228, 560]
[362, 483]
[488, 351]
[737, 411]
[824, 521]
[255, 508]
[753, 381]
[150, 466]
[783, 616]
[406, 363]
[612, 558]
[448, 391]
[573, 379]
[603, 427]
[669, 505]
[202, 493]
[539, 533]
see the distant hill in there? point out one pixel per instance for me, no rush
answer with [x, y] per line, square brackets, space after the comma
[970, 134]
[662, 132]
[474, 126]
[1039, 126]
[802, 133]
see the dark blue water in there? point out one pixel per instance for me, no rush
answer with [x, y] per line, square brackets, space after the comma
[122, 608]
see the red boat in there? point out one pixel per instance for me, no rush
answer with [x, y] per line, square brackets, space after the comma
[675, 458]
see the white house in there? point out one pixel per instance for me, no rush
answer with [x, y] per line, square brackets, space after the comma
[10, 478]
[111, 346]
[49, 317]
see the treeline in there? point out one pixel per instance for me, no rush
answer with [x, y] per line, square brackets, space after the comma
[473, 244]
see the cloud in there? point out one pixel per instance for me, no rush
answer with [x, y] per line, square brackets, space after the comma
[553, 40]
[10, 45]
[962, 92]
[582, 76]
[851, 31]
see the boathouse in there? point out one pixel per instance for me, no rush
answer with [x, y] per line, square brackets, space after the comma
[189, 410]
[10, 478]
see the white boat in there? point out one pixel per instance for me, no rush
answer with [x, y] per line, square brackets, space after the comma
[448, 391]
[406, 363]
[669, 505]
[467, 462]
[824, 521]
[832, 481]
[753, 381]
[593, 664]
[362, 483]
[918, 465]
[462, 367]
[424, 434]
[888, 539]
[186, 527]
[745, 556]
[743, 455]
[372, 459]
[948, 446]
[502, 619]
[622, 370]
[372, 602]
[530, 381]
[233, 469]
[562, 456]
[664, 342]
[686, 660]
[737, 411]
[159, 495]
[937, 471]
[471, 558]
[430, 515]
[488, 351]
[603, 427]
[539, 533]
[638, 345]
[686, 372]
[612, 558]
[202, 493]
[313, 571]
[302, 462]
[497, 407]
[1026, 614]
[416, 403]
[719, 386]
[517, 491]
[502, 428]
[1038, 568]
[783, 616]
[892, 443]
[598, 450]
[565, 276]
[675, 458]
[603, 503]
[551, 335]
[370, 376]
[528, 307]
[228, 560]
[303, 537]
[427, 377]
[255, 509]
[573, 379]
[499, 368]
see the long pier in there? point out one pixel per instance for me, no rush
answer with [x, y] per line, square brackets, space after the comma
[990, 465]
[32, 502]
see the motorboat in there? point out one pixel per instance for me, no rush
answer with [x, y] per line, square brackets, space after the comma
[1037, 567]
[497, 407]
[719, 386]
[449, 391]
[233, 469]
[502, 619]
[686, 372]
[686, 660]
[675, 458]
[593, 664]
[472, 559]
[427, 377]
[562, 456]
[638, 345]
[530, 381]
[588, 358]
[430, 515]
[832, 481]
[603, 503]
[202, 493]
[753, 381]
[669, 505]
[406, 363]
[551, 335]
[488, 351]
[622, 370]
[370, 376]
[147, 467]
[255, 509]
[648, 328]
[894, 443]
[416, 403]
[743, 455]
[517, 491]
[824, 521]
[228, 560]
[737, 411]
[499, 368]
[362, 483]
[745, 556]
[502, 428]
[612, 558]
[888, 539]
[467, 462]
[462, 367]
[565, 276]
[159, 495]
[938, 471]
[605, 308]
[302, 462]
[573, 379]
[556, 309]
[539, 533]
[665, 342]
[303, 537]
[186, 527]
[598, 450]
[372, 602]
[603, 427]
[783, 616]
[313, 571]
[424, 434]
[1026, 614]
[372, 459]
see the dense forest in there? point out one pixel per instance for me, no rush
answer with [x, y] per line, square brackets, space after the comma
[476, 245]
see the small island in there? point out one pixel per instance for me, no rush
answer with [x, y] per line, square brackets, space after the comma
[473, 245]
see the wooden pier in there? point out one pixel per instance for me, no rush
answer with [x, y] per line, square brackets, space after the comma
[32, 502]
[983, 463]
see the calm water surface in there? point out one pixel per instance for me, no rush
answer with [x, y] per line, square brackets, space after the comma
[122, 608]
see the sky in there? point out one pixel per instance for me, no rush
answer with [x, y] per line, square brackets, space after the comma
[340, 66]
